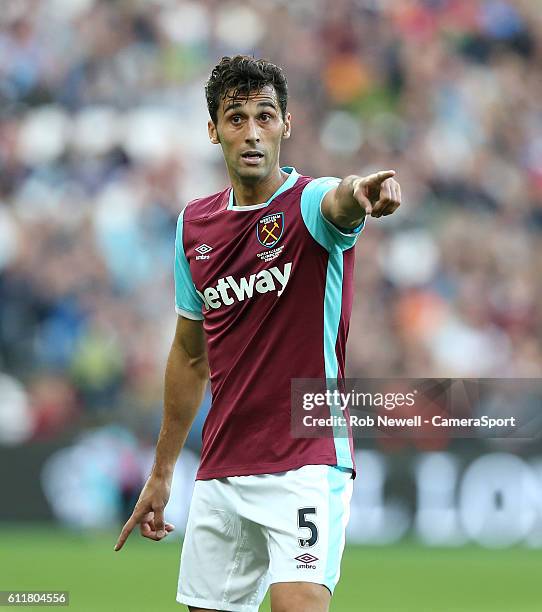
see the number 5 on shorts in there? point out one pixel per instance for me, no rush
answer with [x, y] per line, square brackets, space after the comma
[302, 522]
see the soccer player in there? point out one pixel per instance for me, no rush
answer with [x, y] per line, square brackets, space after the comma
[263, 291]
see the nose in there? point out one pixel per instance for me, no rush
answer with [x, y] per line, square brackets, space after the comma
[252, 134]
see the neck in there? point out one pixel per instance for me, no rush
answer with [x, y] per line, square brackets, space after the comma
[259, 191]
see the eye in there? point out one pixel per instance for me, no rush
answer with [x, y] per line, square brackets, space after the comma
[236, 119]
[265, 117]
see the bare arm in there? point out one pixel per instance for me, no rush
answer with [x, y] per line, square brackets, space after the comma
[356, 196]
[186, 377]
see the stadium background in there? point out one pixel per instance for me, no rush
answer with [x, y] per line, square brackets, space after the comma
[102, 142]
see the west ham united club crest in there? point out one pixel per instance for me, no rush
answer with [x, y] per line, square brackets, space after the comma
[269, 229]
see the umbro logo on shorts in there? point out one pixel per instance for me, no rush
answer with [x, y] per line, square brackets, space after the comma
[306, 561]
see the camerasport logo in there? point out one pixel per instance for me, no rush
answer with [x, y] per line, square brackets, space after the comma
[306, 561]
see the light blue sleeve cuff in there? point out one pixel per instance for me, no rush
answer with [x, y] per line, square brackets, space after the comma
[321, 229]
[187, 302]
[343, 230]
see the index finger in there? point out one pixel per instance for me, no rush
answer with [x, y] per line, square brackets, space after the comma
[126, 531]
[379, 177]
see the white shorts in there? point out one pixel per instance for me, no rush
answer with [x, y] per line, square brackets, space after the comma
[247, 532]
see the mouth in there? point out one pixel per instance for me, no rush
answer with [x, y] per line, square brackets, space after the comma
[252, 158]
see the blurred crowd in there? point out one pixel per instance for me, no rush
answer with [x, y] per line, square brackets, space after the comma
[103, 140]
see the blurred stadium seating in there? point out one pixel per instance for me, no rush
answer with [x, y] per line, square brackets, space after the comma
[103, 141]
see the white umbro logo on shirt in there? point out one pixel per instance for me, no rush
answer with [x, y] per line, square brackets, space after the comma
[203, 249]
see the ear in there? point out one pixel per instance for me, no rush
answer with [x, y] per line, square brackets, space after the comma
[213, 133]
[287, 127]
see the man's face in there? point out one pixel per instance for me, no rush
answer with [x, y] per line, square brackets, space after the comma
[250, 132]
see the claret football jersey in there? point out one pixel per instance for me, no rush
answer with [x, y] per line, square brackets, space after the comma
[273, 284]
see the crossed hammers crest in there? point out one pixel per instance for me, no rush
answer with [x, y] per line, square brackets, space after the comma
[269, 232]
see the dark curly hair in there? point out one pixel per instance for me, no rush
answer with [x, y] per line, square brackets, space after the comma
[242, 75]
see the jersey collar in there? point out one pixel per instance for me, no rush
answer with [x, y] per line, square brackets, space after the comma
[290, 182]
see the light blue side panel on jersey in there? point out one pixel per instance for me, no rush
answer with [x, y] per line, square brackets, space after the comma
[187, 301]
[336, 486]
[335, 242]
[332, 316]
[321, 229]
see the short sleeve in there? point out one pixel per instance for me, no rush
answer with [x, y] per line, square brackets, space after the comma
[321, 229]
[187, 301]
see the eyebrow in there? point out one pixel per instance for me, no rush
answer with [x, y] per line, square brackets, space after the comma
[234, 105]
